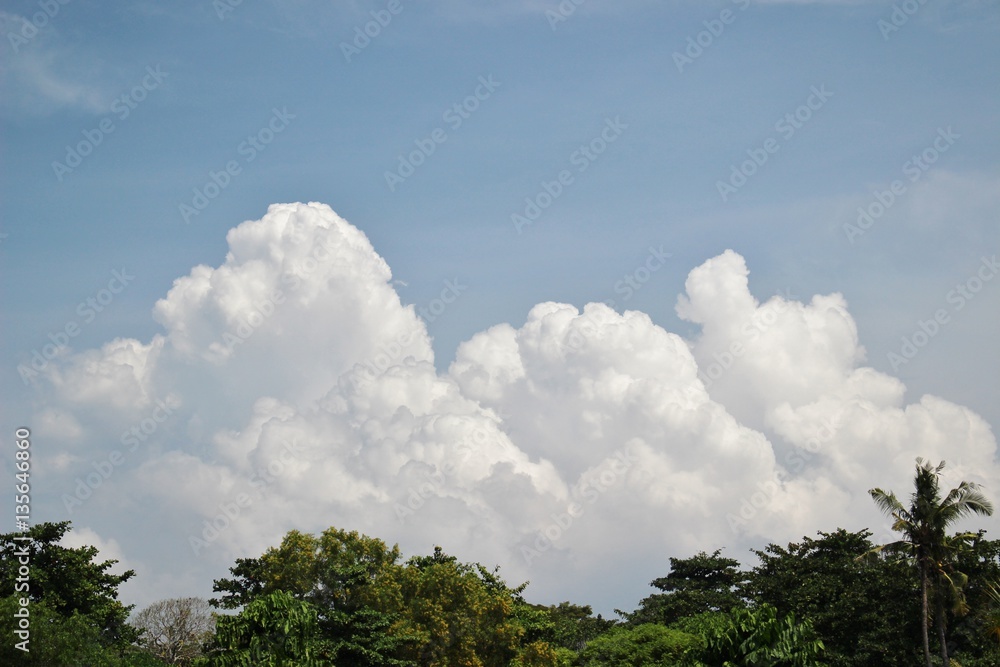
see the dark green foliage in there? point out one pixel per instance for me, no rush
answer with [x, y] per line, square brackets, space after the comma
[866, 611]
[694, 585]
[439, 557]
[358, 636]
[344, 599]
[642, 645]
[68, 580]
[926, 545]
[456, 613]
[75, 615]
[246, 585]
[353, 632]
[572, 626]
[56, 640]
[973, 639]
[335, 573]
[275, 630]
[140, 658]
[758, 638]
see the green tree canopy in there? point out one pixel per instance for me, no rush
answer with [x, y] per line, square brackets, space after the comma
[975, 637]
[341, 575]
[75, 615]
[371, 610]
[756, 637]
[464, 614]
[642, 645]
[274, 630]
[701, 583]
[927, 545]
[571, 626]
[865, 611]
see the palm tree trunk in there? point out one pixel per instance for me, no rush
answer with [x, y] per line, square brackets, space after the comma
[939, 612]
[923, 608]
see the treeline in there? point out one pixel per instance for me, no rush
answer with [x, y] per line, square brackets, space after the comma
[343, 598]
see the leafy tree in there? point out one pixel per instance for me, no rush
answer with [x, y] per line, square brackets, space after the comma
[926, 544]
[640, 645]
[339, 574]
[247, 584]
[757, 638]
[702, 583]
[461, 614]
[992, 616]
[538, 654]
[370, 610]
[533, 627]
[174, 630]
[275, 630]
[572, 625]
[975, 638]
[143, 658]
[55, 640]
[863, 610]
[439, 557]
[69, 594]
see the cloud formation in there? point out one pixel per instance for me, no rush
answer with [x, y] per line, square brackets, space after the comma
[45, 75]
[291, 388]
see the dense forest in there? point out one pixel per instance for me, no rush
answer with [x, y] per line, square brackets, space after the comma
[343, 598]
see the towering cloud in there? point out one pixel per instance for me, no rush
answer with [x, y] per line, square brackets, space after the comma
[290, 388]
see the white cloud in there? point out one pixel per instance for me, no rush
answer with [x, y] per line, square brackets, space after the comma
[43, 74]
[107, 549]
[579, 449]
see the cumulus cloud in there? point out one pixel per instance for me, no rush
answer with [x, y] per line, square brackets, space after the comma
[107, 549]
[291, 388]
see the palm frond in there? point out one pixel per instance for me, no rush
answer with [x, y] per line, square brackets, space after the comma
[963, 500]
[892, 549]
[887, 502]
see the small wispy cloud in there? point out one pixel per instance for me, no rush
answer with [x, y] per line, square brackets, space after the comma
[42, 74]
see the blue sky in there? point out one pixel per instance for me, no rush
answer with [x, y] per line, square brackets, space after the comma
[555, 86]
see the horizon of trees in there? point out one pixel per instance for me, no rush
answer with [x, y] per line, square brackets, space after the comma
[344, 598]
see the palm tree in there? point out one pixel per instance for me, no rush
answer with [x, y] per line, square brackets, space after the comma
[925, 542]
